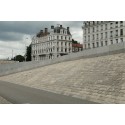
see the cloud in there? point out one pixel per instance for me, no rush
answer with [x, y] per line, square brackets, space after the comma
[13, 33]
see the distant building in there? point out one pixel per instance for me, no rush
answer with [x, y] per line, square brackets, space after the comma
[77, 47]
[102, 33]
[49, 45]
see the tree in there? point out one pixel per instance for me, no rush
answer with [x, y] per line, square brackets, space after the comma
[19, 58]
[74, 41]
[28, 53]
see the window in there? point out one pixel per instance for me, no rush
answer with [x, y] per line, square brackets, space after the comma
[88, 30]
[93, 29]
[101, 43]
[111, 33]
[88, 38]
[121, 23]
[85, 38]
[61, 37]
[101, 27]
[61, 43]
[65, 38]
[116, 40]
[121, 32]
[105, 26]
[85, 31]
[85, 46]
[57, 37]
[97, 27]
[116, 24]
[89, 45]
[116, 32]
[105, 34]
[111, 41]
[97, 36]
[101, 35]
[106, 43]
[111, 25]
[97, 43]
[93, 37]
[69, 38]
[93, 44]
[121, 39]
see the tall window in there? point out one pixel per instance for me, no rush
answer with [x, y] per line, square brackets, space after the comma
[106, 43]
[101, 43]
[93, 44]
[93, 37]
[85, 38]
[121, 23]
[101, 27]
[105, 34]
[116, 24]
[88, 38]
[111, 25]
[89, 45]
[57, 37]
[88, 30]
[101, 35]
[121, 39]
[61, 37]
[97, 36]
[111, 33]
[97, 27]
[121, 32]
[97, 43]
[116, 32]
[93, 29]
[111, 41]
[105, 26]
[116, 40]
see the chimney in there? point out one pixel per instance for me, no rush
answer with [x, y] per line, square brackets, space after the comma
[60, 26]
[68, 28]
[46, 30]
[41, 31]
[52, 27]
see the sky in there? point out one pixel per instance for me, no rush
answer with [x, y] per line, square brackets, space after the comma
[14, 34]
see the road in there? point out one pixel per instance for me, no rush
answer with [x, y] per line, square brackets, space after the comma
[18, 94]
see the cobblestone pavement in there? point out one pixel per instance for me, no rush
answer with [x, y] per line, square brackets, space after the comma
[98, 79]
[4, 101]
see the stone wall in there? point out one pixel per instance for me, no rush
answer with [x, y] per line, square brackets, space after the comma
[17, 67]
[99, 79]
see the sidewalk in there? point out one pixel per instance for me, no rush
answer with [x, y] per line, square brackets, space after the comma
[3, 101]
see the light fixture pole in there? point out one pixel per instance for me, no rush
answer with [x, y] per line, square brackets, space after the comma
[25, 49]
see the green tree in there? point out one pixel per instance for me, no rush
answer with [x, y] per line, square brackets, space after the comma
[28, 53]
[19, 58]
[74, 41]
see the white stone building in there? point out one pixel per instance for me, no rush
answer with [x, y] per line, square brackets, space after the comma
[102, 33]
[50, 45]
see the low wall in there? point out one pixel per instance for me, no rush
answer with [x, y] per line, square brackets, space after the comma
[22, 66]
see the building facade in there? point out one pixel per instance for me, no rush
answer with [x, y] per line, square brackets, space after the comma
[102, 33]
[77, 47]
[49, 45]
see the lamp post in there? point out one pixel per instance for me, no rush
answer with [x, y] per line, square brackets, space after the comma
[25, 49]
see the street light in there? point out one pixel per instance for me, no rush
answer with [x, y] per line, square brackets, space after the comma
[26, 49]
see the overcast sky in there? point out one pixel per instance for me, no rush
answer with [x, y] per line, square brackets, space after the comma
[13, 34]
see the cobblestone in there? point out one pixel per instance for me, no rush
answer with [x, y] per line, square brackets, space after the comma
[100, 79]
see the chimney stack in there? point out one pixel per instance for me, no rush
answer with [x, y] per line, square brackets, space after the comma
[52, 27]
[68, 28]
[46, 30]
[60, 26]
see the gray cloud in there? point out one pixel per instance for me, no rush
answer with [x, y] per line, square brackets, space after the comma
[14, 30]
[13, 33]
